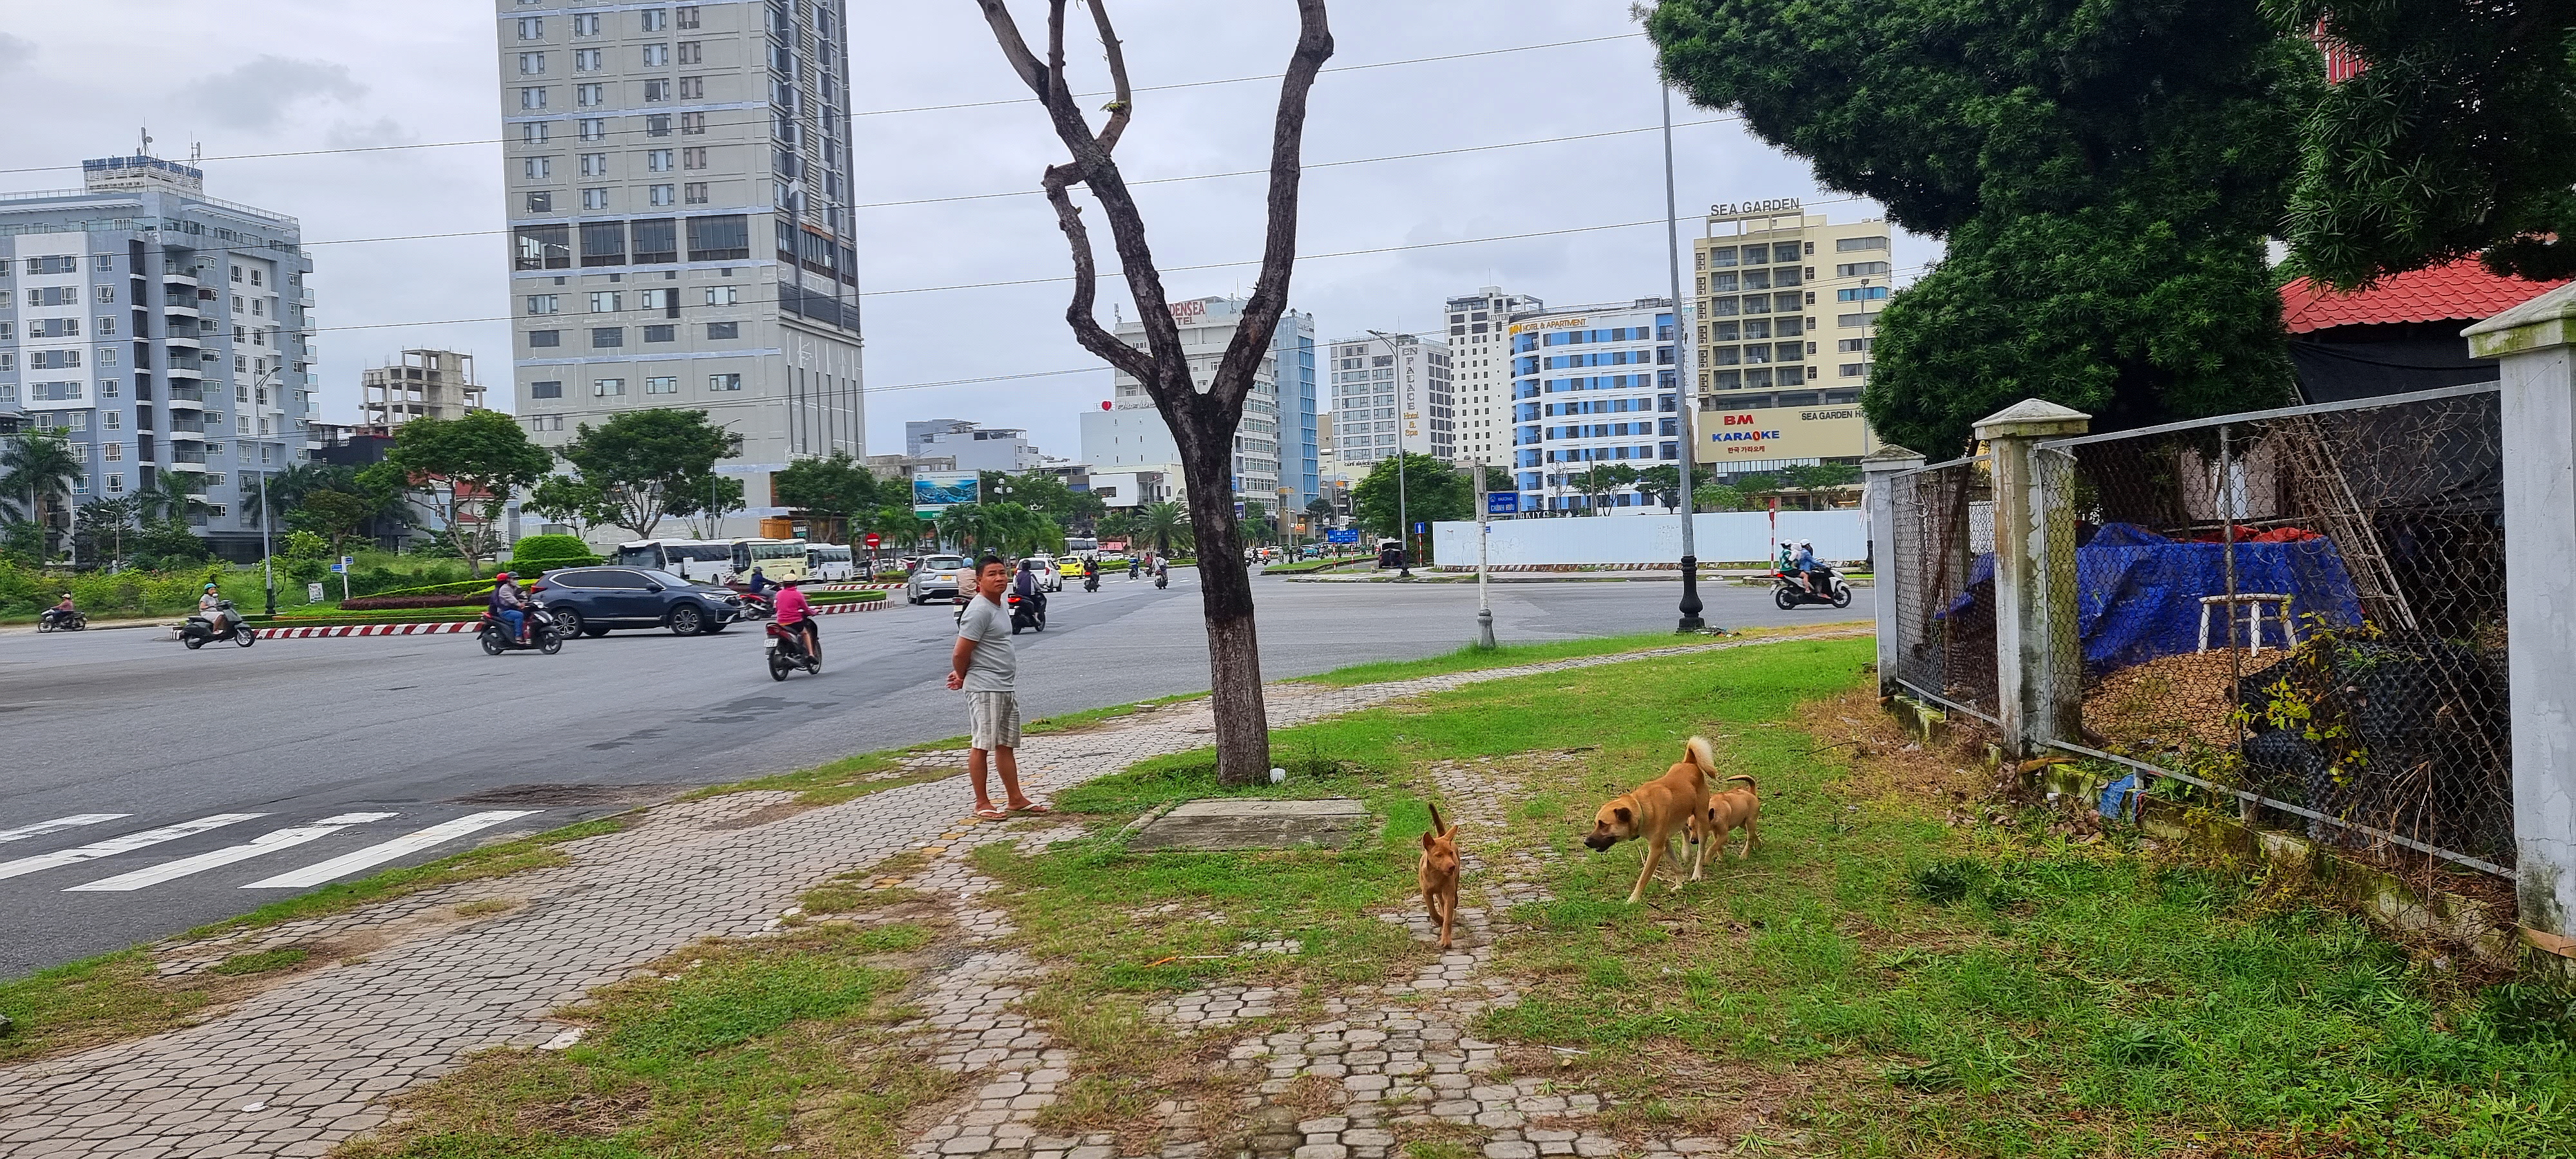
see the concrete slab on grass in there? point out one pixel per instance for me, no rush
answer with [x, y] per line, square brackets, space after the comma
[1254, 823]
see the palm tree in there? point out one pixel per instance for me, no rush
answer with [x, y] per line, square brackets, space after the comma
[173, 495]
[1164, 524]
[968, 525]
[40, 465]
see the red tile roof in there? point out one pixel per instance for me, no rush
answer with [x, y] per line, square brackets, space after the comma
[2461, 291]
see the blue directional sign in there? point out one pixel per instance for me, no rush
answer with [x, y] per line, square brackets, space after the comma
[1342, 535]
[1502, 503]
[1420, 528]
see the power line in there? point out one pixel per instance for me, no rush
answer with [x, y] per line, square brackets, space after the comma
[894, 112]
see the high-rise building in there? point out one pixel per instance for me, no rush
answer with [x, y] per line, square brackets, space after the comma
[1274, 445]
[158, 330]
[678, 183]
[436, 384]
[1592, 384]
[1481, 372]
[1788, 311]
[1392, 392]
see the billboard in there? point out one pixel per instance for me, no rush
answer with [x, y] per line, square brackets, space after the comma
[932, 490]
[1806, 432]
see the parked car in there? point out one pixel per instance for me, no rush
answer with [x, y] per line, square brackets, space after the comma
[1050, 577]
[592, 601]
[936, 578]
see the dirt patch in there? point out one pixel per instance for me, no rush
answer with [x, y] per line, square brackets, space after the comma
[2171, 700]
[1887, 763]
[589, 1114]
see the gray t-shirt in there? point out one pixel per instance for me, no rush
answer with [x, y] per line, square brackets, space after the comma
[991, 667]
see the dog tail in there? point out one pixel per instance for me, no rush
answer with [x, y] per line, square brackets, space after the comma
[1436, 827]
[1748, 780]
[1697, 752]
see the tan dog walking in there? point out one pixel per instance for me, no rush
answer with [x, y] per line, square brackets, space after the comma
[1676, 802]
[1731, 810]
[1439, 874]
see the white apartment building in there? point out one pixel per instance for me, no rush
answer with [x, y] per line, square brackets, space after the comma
[678, 194]
[1274, 445]
[972, 447]
[1592, 384]
[1787, 313]
[1481, 372]
[1392, 392]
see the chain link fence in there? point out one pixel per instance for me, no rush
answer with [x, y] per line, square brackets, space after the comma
[1944, 538]
[2305, 609]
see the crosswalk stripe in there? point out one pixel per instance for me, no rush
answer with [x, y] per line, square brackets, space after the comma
[41, 828]
[264, 843]
[385, 851]
[115, 845]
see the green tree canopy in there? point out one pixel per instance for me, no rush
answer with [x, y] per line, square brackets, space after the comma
[1433, 491]
[335, 515]
[2104, 176]
[1600, 481]
[649, 463]
[2452, 141]
[40, 466]
[567, 499]
[836, 487]
[466, 469]
[704, 501]
[1164, 525]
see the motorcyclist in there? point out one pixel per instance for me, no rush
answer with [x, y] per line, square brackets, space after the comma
[210, 606]
[1135, 565]
[1027, 587]
[1808, 566]
[794, 612]
[759, 582]
[510, 607]
[63, 610]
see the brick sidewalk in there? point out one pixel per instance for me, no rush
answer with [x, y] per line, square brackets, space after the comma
[307, 1064]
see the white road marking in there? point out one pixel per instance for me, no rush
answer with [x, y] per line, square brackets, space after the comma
[115, 845]
[378, 854]
[264, 843]
[41, 828]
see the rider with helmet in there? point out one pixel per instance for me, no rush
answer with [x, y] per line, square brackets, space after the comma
[210, 606]
[510, 607]
[1808, 566]
[794, 612]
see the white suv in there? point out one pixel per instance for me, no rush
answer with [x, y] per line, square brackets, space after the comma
[936, 578]
[1050, 578]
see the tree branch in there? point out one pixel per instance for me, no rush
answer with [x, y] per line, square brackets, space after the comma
[1279, 249]
[1122, 102]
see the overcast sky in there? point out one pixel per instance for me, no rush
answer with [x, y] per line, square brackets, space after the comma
[291, 76]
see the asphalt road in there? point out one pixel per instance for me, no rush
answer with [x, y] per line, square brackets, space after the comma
[146, 789]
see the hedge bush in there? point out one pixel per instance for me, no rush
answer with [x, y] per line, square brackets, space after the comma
[386, 603]
[541, 553]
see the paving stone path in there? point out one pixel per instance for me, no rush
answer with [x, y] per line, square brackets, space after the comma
[310, 1062]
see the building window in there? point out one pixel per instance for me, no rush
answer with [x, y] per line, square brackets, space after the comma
[724, 381]
[541, 201]
[657, 240]
[608, 387]
[589, 96]
[694, 193]
[107, 389]
[585, 60]
[723, 295]
[1861, 294]
[594, 129]
[687, 14]
[545, 338]
[532, 28]
[659, 194]
[662, 385]
[724, 330]
[693, 157]
[592, 165]
[107, 354]
[594, 199]
[534, 132]
[693, 52]
[657, 125]
[692, 124]
[607, 302]
[545, 390]
[107, 329]
[607, 337]
[536, 168]
[532, 64]
[657, 90]
[587, 25]
[661, 333]
[603, 243]
[532, 98]
[657, 160]
[724, 237]
[1855, 244]
[655, 20]
[657, 56]
[693, 88]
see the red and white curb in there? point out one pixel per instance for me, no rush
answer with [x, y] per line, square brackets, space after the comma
[451, 627]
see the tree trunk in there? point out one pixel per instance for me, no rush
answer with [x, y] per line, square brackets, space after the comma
[1225, 596]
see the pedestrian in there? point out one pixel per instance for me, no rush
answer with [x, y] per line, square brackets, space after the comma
[984, 668]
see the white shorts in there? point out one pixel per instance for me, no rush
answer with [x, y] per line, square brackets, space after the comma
[994, 720]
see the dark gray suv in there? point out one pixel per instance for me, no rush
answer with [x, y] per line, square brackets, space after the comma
[593, 600]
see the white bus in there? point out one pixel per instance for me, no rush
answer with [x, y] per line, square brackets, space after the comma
[717, 561]
[830, 563]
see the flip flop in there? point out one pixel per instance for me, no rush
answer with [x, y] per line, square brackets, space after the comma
[1034, 810]
[992, 815]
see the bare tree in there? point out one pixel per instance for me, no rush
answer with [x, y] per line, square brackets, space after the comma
[1202, 422]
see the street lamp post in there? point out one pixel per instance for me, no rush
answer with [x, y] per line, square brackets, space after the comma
[267, 565]
[1685, 394]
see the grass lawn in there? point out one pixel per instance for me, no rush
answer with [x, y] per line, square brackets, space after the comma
[730, 1049]
[1472, 658]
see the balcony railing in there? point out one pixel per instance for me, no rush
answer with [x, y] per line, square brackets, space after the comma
[186, 394]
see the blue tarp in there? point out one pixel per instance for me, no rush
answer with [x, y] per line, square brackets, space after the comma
[2138, 593]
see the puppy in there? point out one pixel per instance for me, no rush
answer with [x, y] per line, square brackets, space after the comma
[1439, 874]
[1732, 809]
[1676, 802]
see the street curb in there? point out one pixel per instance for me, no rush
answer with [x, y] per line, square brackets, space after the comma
[446, 627]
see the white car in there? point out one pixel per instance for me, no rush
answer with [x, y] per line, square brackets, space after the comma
[938, 577]
[1048, 579]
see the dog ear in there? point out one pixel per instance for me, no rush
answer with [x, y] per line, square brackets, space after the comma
[1428, 837]
[1452, 834]
[1625, 817]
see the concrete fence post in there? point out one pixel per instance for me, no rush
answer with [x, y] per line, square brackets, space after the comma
[1891, 571]
[2535, 346]
[2035, 637]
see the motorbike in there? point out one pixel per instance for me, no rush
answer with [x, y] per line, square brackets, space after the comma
[1793, 594]
[199, 632]
[59, 620]
[544, 635]
[785, 645]
[1091, 581]
[1133, 568]
[1027, 613]
[757, 607]
[1162, 577]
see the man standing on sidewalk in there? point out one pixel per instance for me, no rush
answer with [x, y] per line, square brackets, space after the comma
[984, 667]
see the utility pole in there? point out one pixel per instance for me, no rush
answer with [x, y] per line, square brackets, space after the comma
[1686, 392]
[267, 566]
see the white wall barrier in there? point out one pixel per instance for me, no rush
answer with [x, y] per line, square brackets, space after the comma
[1729, 537]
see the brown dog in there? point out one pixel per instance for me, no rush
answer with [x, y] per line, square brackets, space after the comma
[1439, 874]
[1676, 802]
[1730, 810]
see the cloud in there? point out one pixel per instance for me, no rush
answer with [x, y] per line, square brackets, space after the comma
[15, 50]
[385, 131]
[258, 93]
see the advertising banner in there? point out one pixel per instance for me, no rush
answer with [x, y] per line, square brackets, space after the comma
[932, 490]
[1806, 432]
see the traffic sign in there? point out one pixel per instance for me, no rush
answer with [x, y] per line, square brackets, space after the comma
[342, 567]
[1342, 535]
[872, 541]
[1420, 528]
[1502, 502]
